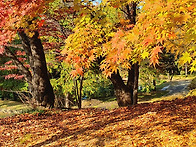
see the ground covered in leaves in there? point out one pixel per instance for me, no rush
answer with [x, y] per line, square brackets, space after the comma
[165, 123]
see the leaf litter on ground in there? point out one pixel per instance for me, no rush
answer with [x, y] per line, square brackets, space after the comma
[164, 123]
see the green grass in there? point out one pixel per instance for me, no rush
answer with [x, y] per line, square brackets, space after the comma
[151, 95]
[107, 99]
[9, 108]
[192, 92]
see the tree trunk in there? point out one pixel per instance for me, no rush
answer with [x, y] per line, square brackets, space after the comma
[154, 85]
[135, 83]
[122, 91]
[126, 94]
[39, 83]
[78, 91]
[132, 83]
[186, 70]
[67, 100]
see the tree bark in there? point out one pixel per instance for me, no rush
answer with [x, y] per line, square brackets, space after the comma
[39, 83]
[154, 85]
[67, 100]
[126, 94]
[122, 91]
[135, 83]
[186, 70]
[78, 91]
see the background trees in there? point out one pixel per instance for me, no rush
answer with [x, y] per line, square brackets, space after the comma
[168, 64]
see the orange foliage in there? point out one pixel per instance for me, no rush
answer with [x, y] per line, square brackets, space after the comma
[170, 24]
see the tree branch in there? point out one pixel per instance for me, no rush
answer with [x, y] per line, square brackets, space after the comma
[18, 63]
[18, 46]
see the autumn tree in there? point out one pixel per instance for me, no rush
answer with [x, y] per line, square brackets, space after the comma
[21, 19]
[103, 23]
[124, 42]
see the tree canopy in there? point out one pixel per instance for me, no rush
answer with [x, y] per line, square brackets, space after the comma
[159, 24]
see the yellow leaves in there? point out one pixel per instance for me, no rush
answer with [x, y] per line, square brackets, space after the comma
[125, 22]
[193, 66]
[92, 58]
[179, 18]
[148, 41]
[168, 23]
[185, 17]
[191, 7]
[157, 50]
[129, 26]
[107, 73]
[186, 58]
[86, 1]
[119, 34]
[145, 54]
[79, 71]
[189, 58]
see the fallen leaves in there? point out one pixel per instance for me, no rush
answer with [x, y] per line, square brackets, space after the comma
[171, 123]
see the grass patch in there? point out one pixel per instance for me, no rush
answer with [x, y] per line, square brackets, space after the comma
[107, 105]
[144, 97]
[107, 99]
[7, 103]
[10, 108]
[25, 139]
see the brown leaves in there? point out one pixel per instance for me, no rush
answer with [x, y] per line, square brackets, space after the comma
[146, 124]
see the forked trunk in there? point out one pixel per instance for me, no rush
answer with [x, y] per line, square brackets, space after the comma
[126, 94]
[122, 92]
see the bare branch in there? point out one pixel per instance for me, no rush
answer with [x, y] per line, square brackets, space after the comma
[18, 63]
[18, 46]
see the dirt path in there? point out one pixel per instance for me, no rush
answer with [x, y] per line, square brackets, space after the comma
[178, 87]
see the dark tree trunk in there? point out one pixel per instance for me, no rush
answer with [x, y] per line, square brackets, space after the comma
[126, 94]
[78, 91]
[39, 83]
[154, 84]
[135, 83]
[132, 83]
[122, 91]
